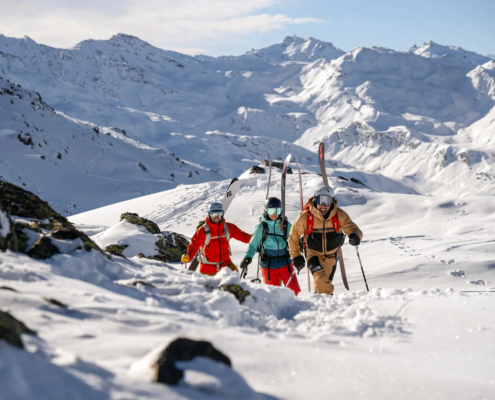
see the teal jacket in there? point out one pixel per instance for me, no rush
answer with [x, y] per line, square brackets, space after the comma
[274, 246]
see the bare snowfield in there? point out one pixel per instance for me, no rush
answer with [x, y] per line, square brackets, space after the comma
[425, 330]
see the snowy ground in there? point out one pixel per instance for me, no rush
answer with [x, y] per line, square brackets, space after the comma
[424, 331]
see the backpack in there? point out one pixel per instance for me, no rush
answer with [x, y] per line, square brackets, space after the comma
[265, 233]
[310, 223]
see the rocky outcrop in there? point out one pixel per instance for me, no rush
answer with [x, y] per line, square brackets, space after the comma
[256, 170]
[8, 237]
[183, 349]
[238, 292]
[116, 249]
[137, 220]
[171, 246]
[48, 226]
[11, 329]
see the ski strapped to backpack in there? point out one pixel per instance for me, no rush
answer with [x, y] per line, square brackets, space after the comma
[339, 256]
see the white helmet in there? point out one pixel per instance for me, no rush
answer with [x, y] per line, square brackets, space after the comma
[324, 195]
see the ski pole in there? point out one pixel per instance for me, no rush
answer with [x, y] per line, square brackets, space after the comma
[362, 270]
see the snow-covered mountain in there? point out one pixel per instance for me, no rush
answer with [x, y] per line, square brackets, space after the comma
[406, 116]
[77, 165]
[423, 118]
[434, 50]
[293, 48]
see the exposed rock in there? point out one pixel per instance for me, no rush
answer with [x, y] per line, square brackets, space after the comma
[239, 293]
[183, 349]
[8, 237]
[171, 246]
[276, 164]
[62, 233]
[8, 288]
[158, 257]
[256, 170]
[116, 249]
[137, 220]
[43, 248]
[55, 302]
[141, 255]
[25, 138]
[341, 177]
[11, 329]
[357, 181]
[20, 202]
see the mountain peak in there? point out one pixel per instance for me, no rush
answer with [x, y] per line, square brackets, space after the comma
[432, 49]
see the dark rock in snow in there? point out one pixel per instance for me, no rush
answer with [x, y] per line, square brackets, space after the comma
[137, 220]
[171, 246]
[43, 248]
[11, 329]
[276, 164]
[55, 302]
[8, 288]
[25, 138]
[256, 170]
[239, 293]
[20, 202]
[8, 237]
[183, 349]
[116, 249]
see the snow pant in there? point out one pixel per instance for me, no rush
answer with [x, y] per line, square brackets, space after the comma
[323, 269]
[281, 275]
[211, 270]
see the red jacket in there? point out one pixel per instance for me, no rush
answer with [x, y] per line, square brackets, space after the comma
[218, 249]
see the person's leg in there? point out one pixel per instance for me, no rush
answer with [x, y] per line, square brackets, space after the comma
[321, 270]
[274, 276]
[285, 275]
[231, 266]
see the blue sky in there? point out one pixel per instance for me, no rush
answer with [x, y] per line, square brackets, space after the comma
[219, 27]
[397, 24]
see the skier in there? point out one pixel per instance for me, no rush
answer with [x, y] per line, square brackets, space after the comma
[270, 237]
[212, 240]
[320, 223]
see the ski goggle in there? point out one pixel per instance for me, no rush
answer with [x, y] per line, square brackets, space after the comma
[274, 211]
[324, 200]
[215, 214]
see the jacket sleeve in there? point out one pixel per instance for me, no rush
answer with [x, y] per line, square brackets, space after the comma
[347, 225]
[238, 234]
[255, 241]
[197, 241]
[296, 232]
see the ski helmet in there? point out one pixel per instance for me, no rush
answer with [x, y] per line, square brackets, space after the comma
[215, 208]
[273, 206]
[325, 195]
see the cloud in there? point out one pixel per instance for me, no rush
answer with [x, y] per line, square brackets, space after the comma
[172, 24]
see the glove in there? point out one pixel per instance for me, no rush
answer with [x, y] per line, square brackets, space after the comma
[244, 266]
[246, 262]
[184, 259]
[354, 239]
[299, 263]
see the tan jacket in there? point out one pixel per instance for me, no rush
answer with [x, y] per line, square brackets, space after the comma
[323, 240]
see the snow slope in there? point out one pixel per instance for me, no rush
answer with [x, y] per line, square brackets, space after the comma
[76, 165]
[424, 330]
